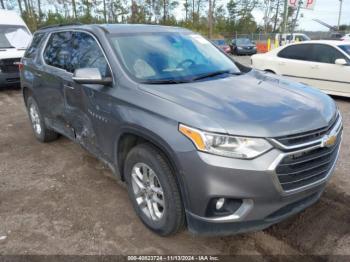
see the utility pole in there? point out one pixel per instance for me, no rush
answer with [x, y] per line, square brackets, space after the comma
[210, 20]
[285, 16]
[192, 12]
[340, 9]
[296, 18]
[276, 16]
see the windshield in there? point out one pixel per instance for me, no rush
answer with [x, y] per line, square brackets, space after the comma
[345, 48]
[14, 36]
[243, 41]
[172, 57]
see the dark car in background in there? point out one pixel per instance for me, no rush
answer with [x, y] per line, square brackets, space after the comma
[243, 46]
[198, 141]
[221, 43]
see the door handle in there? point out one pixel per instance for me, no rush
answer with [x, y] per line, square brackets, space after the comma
[281, 63]
[68, 86]
[315, 67]
[37, 74]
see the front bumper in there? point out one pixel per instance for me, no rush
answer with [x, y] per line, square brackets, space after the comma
[255, 182]
[246, 51]
[9, 79]
[203, 227]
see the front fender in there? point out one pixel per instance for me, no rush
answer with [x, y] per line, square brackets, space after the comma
[166, 145]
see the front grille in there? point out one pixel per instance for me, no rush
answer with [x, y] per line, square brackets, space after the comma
[13, 80]
[306, 137]
[9, 66]
[301, 169]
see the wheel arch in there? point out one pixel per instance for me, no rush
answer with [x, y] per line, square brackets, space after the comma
[270, 71]
[26, 91]
[133, 135]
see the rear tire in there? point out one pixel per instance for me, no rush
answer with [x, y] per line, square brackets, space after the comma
[147, 172]
[41, 132]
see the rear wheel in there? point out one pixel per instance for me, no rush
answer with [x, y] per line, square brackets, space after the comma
[41, 132]
[153, 190]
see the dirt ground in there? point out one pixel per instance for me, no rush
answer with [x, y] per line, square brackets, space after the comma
[56, 198]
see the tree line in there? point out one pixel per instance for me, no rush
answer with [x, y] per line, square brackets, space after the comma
[209, 17]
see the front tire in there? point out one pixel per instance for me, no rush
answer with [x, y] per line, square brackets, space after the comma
[41, 132]
[153, 190]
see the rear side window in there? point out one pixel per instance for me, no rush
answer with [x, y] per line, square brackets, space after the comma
[325, 54]
[33, 48]
[58, 51]
[86, 53]
[296, 52]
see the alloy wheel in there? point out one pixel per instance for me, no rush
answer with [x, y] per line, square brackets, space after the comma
[35, 118]
[148, 191]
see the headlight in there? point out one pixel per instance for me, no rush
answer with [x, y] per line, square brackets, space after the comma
[225, 145]
[239, 47]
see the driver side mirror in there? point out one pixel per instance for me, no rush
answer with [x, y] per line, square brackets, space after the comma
[90, 76]
[341, 61]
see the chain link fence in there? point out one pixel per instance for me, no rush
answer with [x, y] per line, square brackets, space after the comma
[268, 41]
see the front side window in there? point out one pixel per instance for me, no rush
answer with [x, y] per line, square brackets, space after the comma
[169, 56]
[86, 53]
[325, 54]
[14, 36]
[58, 51]
[296, 52]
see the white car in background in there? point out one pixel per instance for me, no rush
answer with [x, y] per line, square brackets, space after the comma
[322, 64]
[346, 37]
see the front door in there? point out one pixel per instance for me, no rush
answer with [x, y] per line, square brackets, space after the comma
[328, 76]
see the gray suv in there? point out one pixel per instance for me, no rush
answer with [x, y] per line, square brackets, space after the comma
[199, 140]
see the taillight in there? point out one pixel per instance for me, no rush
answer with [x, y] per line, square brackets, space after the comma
[20, 66]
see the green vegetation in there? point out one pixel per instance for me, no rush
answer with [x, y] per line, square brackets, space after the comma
[228, 17]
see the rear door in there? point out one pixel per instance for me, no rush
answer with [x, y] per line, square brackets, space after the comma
[89, 107]
[56, 70]
[325, 74]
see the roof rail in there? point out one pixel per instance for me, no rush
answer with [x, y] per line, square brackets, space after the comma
[59, 25]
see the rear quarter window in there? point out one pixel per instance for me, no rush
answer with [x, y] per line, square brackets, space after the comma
[34, 46]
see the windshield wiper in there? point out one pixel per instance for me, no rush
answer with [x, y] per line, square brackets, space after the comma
[216, 73]
[178, 81]
[165, 81]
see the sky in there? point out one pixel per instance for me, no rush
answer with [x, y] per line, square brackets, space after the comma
[327, 11]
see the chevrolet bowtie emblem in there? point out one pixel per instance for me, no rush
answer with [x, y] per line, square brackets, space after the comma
[329, 141]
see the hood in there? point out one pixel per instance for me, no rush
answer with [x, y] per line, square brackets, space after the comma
[254, 104]
[11, 53]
